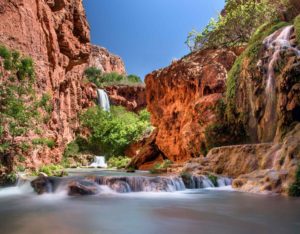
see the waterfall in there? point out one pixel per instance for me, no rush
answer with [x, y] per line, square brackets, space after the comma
[103, 100]
[276, 43]
[200, 182]
[99, 161]
[129, 184]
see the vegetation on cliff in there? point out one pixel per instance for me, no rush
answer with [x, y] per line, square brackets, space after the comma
[236, 25]
[20, 110]
[100, 79]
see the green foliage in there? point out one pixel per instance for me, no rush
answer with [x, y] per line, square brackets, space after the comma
[52, 170]
[159, 167]
[112, 132]
[100, 79]
[134, 79]
[18, 114]
[251, 56]
[297, 28]
[213, 179]
[11, 178]
[44, 141]
[237, 25]
[118, 162]
[294, 189]
[45, 103]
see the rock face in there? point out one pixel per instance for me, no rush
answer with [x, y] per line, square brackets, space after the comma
[259, 168]
[133, 98]
[106, 61]
[268, 89]
[145, 153]
[181, 100]
[56, 35]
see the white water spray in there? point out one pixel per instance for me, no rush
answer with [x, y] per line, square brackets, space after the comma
[103, 100]
[99, 161]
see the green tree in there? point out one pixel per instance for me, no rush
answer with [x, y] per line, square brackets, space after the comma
[112, 132]
[237, 23]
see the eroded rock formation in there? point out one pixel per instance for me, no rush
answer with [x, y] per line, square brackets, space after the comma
[132, 97]
[102, 59]
[56, 35]
[182, 97]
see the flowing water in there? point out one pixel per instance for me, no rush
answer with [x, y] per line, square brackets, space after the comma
[193, 211]
[103, 100]
[99, 161]
[275, 45]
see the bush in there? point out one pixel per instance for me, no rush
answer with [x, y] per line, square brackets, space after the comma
[100, 79]
[44, 141]
[52, 170]
[160, 167]
[112, 132]
[118, 162]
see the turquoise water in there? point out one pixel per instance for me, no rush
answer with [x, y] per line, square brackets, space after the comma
[190, 211]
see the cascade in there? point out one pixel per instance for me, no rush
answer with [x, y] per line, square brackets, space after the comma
[103, 100]
[99, 161]
[275, 44]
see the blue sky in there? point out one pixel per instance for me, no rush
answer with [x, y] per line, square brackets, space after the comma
[147, 34]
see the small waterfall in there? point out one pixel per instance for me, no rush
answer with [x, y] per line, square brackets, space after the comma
[276, 43]
[128, 184]
[200, 182]
[99, 161]
[103, 100]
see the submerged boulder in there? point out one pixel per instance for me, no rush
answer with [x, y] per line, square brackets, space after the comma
[42, 184]
[82, 187]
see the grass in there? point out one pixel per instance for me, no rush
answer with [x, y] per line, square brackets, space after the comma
[52, 170]
[159, 167]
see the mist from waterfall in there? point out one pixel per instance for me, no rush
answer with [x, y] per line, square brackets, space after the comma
[99, 161]
[103, 100]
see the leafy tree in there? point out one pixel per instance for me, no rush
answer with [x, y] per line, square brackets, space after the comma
[236, 25]
[134, 78]
[112, 132]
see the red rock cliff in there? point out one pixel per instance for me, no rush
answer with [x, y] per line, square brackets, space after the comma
[55, 33]
[181, 99]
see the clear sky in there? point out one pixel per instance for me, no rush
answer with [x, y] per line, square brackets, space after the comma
[147, 34]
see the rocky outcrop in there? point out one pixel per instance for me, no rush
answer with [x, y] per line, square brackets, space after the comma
[181, 99]
[132, 97]
[56, 35]
[145, 153]
[258, 168]
[102, 59]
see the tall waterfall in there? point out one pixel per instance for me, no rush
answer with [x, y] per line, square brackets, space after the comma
[276, 43]
[103, 100]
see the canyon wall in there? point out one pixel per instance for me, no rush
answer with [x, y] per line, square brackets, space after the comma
[56, 35]
[181, 99]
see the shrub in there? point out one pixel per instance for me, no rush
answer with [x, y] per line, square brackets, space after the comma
[118, 162]
[159, 167]
[100, 79]
[44, 141]
[52, 170]
[45, 103]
